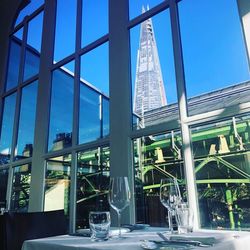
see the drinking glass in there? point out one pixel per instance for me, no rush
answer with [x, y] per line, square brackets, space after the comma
[99, 223]
[184, 218]
[119, 196]
[170, 197]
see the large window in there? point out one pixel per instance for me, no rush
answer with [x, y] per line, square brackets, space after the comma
[214, 52]
[221, 156]
[161, 91]
[92, 183]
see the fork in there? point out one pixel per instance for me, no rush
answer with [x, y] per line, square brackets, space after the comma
[191, 242]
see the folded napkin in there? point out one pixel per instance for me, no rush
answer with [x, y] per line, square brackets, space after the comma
[203, 239]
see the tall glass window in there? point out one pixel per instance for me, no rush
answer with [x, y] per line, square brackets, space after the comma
[27, 122]
[213, 50]
[57, 183]
[61, 118]
[33, 49]
[7, 128]
[14, 63]
[90, 108]
[152, 72]
[221, 157]
[94, 20]
[156, 157]
[92, 184]
[93, 61]
[65, 29]
[21, 188]
[28, 9]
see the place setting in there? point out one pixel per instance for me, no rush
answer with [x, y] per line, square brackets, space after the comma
[178, 235]
[180, 222]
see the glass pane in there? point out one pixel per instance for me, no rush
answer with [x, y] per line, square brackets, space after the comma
[19, 34]
[222, 157]
[4, 173]
[90, 123]
[214, 51]
[138, 7]
[13, 64]
[21, 188]
[35, 32]
[65, 29]
[94, 60]
[28, 10]
[153, 74]
[27, 122]
[7, 128]
[156, 157]
[57, 183]
[32, 62]
[105, 112]
[92, 184]
[61, 110]
[94, 20]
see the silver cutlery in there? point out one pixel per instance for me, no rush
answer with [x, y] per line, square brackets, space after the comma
[183, 241]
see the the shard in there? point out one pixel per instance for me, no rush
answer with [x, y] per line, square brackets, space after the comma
[149, 90]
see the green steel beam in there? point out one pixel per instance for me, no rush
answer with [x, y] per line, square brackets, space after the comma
[223, 162]
[208, 181]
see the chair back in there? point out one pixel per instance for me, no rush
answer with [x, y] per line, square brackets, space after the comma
[27, 226]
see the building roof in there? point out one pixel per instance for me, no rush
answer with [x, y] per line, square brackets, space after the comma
[218, 99]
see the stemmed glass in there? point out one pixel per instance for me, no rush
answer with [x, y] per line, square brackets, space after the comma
[170, 197]
[119, 196]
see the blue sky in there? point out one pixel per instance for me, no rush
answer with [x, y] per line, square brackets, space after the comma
[212, 41]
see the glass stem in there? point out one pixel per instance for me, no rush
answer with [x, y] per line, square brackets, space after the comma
[119, 223]
[170, 221]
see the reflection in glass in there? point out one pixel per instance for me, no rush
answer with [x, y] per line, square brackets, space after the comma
[221, 152]
[213, 48]
[61, 110]
[65, 29]
[137, 7]
[92, 184]
[28, 10]
[95, 68]
[26, 122]
[92, 26]
[13, 64]
[105, 117]
[35, 32]
[7, 128]
[57, 183]
[4, 173]
[89, 123]
[152, 68]
[31, 66]
[21, 188]
[156, 157]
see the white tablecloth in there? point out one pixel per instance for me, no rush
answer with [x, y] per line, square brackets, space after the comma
[132, 241]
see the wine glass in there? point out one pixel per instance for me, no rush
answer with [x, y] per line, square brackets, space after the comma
[170, 197]
[119, 196]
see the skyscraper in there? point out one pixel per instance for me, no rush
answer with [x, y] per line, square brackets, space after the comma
[149, 87]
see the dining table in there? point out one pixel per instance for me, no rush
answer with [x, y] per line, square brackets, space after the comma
[147, 238]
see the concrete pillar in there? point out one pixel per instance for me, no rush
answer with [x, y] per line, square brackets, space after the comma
[244, 12]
